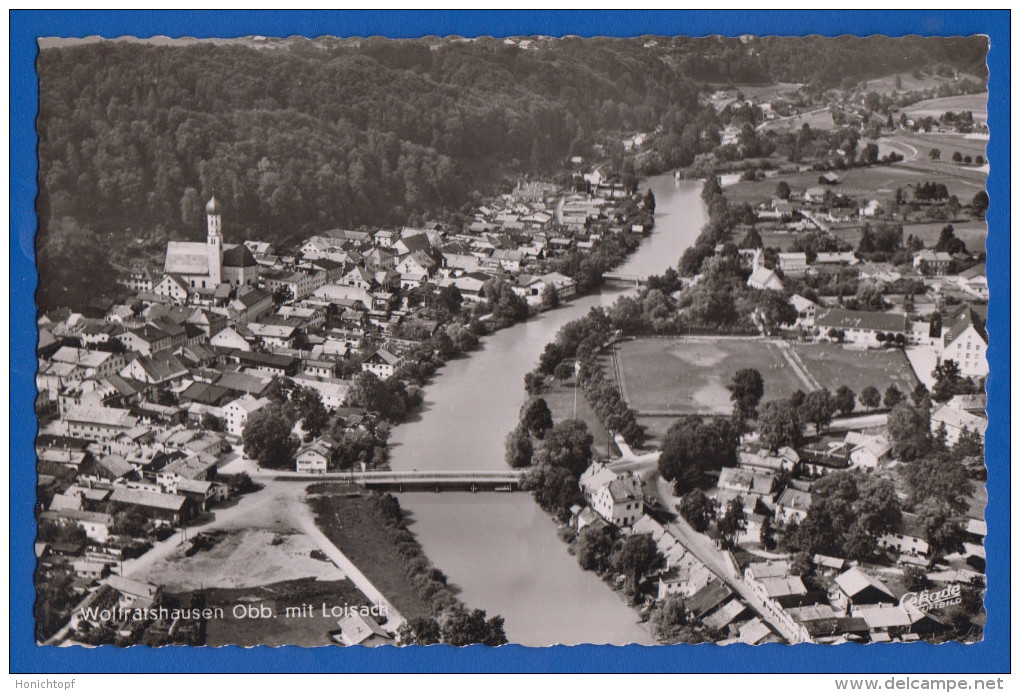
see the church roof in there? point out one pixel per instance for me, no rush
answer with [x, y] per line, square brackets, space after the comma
[186, 257]
[238, 256]
[213, 206]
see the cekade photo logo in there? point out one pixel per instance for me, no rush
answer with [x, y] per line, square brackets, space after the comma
[927, 600]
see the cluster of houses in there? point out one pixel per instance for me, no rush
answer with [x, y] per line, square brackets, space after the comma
[142, 402]
[947, 319]
[775, 489]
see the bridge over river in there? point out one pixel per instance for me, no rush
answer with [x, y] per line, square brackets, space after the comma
[426, 480]
[625, 278]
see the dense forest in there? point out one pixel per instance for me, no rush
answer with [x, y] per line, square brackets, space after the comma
[310, 135]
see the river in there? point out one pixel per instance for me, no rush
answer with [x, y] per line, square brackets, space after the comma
[501, 551]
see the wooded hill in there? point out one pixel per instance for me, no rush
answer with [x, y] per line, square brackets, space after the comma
[311, 135]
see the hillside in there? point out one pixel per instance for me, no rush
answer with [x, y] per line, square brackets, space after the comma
[296, 136]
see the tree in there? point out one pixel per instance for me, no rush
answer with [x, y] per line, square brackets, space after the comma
[536, 418]
[849, 511]
[767, 534]
[943, 531]
[934, 154]
[554, 489]
[733, 520]
[563, 371]
[783, 190]
[968, 444]
[818, 408]
[938, 477]
[957, 157]
[692, 447]
[909, 429]
[595, 548]
[649, 201]
[845, 400]
[915, 578]
[672, 624]
[211, 422]
[778, 424]
[892, 397]
[550, 298]
[282, 295]
[870, 397]
[698, 509]
[950, 382]
[463, 627]
[746, 390]
[635, 557]
[534, 383]
[519, 448]
[568, 445]
[420, 630]
[979, 203]
[267, 437]
[307, 402]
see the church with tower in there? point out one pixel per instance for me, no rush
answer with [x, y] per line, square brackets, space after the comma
[207, 265]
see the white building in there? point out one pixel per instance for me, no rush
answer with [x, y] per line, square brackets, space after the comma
[235, 414]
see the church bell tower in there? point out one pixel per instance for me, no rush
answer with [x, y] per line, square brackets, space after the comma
[214, 240]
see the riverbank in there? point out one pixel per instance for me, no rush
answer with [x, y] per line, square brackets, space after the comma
[500, 550]
[370, 529]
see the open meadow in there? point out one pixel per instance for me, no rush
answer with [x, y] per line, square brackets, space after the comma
[972, 232]
[817, 119]
[908, 82]
[873, 182]
[975, 103]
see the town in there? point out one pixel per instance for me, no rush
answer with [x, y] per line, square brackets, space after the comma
[241, 360]
[759, 414]
[844, 507]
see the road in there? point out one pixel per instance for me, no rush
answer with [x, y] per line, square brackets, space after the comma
[715, 559]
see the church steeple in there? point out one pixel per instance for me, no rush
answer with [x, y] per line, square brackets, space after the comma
[214, 240]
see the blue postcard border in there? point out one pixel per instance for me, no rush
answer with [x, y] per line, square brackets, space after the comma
[990, 655]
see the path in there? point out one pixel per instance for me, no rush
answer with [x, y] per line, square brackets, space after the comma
[798, 366]
[305, 521]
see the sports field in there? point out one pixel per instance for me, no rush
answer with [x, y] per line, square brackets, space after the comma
[832, 366]
[689, 375]
[665, 377]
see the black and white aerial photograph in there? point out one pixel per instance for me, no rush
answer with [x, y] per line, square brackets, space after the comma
[353, 341]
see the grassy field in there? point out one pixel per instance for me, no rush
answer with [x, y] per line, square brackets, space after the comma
[946, 142]
[689, 376]
[820, 119]
[832, 366]
[352, 525]
[769, 92]
[973, 233]
[975, 103]
[308, 631]
[876, 182]
[560, 398]
[887, 84]
[667, 378]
